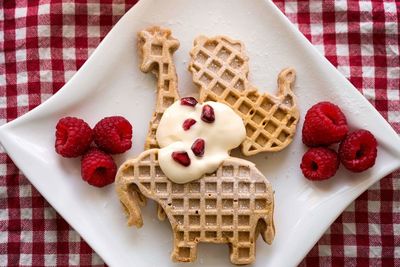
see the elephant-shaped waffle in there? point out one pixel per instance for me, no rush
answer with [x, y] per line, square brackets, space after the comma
[233, 205]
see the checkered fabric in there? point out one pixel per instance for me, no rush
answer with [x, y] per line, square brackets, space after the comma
[43, 43]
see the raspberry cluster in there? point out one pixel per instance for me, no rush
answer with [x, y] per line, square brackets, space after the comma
[112, 135]
[324, 125]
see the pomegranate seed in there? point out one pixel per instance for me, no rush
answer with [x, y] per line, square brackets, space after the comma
[181, 157]
[188, 123]
[207, 114]
[189, 101]
[198, 147]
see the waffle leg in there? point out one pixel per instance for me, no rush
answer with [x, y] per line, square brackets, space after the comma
[243, 253]
[184, 253]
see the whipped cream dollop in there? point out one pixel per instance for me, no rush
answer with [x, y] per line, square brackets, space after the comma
[196, 138]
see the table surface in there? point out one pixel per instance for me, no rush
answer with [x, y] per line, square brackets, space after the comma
[43, 43]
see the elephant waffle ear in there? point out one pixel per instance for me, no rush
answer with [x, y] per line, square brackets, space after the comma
[233, 205]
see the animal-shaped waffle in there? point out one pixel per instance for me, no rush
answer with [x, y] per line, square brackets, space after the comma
[220, 68]
[232, 205]
[156, 47]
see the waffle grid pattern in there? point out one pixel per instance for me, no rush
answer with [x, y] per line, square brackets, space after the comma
[224, 207]
[220, 67]
[156, 47]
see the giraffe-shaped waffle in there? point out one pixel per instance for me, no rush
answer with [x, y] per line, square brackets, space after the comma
[156, 47]
[219, 66]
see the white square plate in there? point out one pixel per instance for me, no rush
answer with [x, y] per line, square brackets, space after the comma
[110, 83]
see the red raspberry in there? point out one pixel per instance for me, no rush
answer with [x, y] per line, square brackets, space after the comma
[113, 134]
[358, 151]
[324, 124]
[319, 163]
[73, 137]
[98, 168]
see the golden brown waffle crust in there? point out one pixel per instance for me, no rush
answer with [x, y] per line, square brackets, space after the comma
[233, 205]
[156, 47]
[220, 68]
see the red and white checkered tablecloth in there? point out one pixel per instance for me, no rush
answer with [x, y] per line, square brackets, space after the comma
[44, 42]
